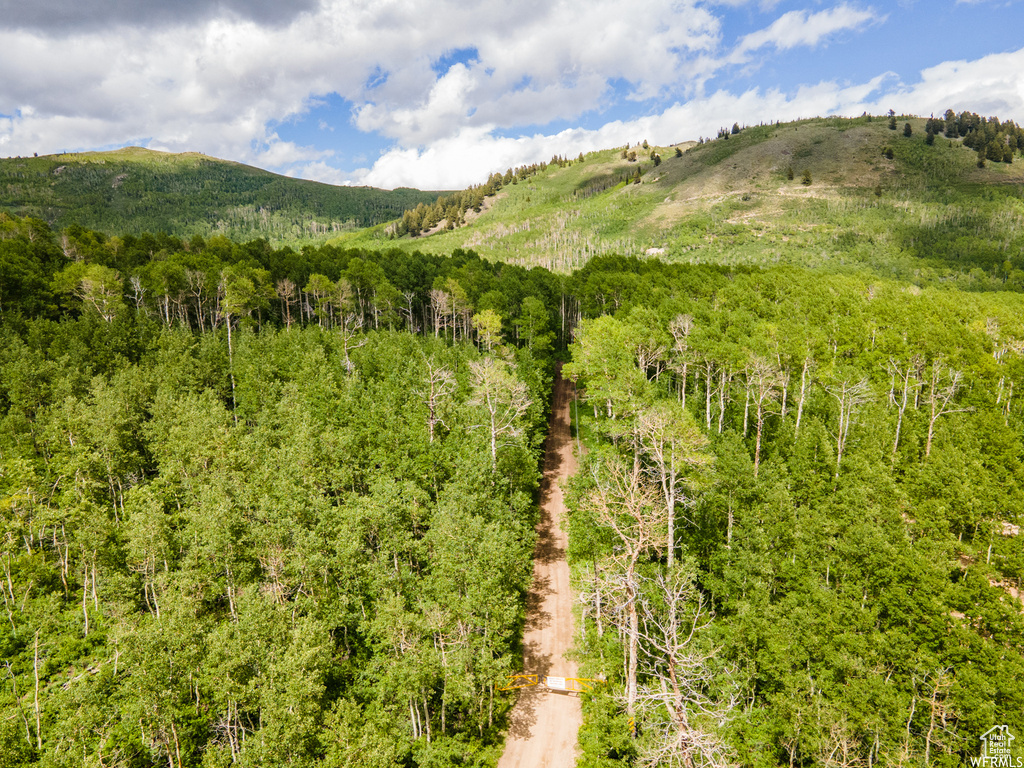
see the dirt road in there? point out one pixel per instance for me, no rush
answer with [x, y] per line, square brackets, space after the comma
[544, 724]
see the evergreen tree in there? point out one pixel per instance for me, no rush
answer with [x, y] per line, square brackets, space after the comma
[952, 132]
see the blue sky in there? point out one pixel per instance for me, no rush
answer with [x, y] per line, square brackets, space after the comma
[439, 94]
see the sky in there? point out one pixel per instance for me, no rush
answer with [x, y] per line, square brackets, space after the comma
[439, 94]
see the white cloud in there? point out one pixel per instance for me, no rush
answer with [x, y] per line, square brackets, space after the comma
[803, 28]
[536, 63]
[320, 171]
[989, 86]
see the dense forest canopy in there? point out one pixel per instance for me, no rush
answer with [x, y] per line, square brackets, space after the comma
[831, 468]
[277, 528]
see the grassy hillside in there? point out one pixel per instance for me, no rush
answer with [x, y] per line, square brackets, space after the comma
[929, 211]
[137, 190]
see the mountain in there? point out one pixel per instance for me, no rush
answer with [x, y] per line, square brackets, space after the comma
[130, 191]
[731, 201]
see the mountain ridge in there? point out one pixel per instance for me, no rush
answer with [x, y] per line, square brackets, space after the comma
[134, 190]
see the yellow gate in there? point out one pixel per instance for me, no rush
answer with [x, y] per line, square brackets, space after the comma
[552, 683]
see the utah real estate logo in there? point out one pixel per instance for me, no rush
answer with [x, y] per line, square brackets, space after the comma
[997, 750]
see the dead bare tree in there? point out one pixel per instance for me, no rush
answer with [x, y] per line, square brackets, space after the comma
[100, 287]
[138, 291]
[764, 388]
[932, 688]
[196, 281]
[440, 307]
[440, 383]
[1001, 345]
[504, 397]
[285, 289]
[409, 297]
[899, 390]
[945, 383]
[683, 715]
[850, 396]
[627, 502]
[841, 747]
[712, 390]
[672, 441]
[649, 354]
[805, 379]
[349, 330]
[681, 327]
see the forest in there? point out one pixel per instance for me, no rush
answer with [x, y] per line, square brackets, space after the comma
[271, 505]
[230, 536]
[797, 538]
[135, 191]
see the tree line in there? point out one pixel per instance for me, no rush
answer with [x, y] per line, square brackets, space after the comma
[990, 137]
[199, 283]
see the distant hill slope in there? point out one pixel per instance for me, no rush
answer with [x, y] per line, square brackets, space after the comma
[731, 201]
[138, 190]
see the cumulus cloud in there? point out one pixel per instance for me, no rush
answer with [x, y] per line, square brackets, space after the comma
[321, 171]
[534, 65]
[800, 28]
[988, 86]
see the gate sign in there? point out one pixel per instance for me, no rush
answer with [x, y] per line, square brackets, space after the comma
[555, 683]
